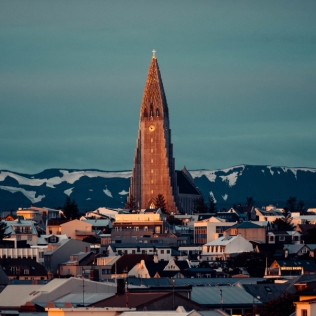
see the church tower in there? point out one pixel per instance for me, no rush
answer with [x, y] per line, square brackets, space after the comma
[154, 166]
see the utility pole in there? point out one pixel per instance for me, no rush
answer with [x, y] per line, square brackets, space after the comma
[173, 294]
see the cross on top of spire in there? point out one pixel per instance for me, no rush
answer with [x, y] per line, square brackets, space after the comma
[154, 52]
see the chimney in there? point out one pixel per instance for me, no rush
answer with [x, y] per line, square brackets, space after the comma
[120, 286]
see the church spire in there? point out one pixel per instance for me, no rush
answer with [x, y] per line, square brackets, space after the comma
[154, 104]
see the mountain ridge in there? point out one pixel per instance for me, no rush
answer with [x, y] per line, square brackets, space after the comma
[93, 188]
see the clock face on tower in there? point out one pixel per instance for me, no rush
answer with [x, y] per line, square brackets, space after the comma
[151, 128]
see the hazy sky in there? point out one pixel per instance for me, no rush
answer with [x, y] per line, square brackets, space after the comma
[239, 76]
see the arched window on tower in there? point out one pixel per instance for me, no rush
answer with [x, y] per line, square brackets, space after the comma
[157, 112]
[145, 113]
[151, 111]
[152, 205]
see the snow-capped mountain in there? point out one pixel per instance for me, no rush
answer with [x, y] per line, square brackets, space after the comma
[94, 188]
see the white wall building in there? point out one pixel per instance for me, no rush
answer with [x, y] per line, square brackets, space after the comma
[225, 247]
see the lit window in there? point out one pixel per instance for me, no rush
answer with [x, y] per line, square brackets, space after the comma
[151, 150]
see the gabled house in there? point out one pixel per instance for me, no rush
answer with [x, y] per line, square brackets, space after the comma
[283, 237]
[39, 214]
[158, 269]
[77, 229]
[53, 225]
[295, 250]
[163, 252]
[21, 230]
[268, 215]
[130, 228]
[225, 247]
[77, 264]
[209, 229]
[290, 268]
[249, 231]
[60, 252]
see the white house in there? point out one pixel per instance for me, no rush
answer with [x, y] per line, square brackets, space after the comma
[225, 247]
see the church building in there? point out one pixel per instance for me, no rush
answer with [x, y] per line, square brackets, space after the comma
[154, 166]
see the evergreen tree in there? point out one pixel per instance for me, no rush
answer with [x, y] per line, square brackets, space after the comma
[212, 204]
[70, 209]
[280, 306]
[300, 207]
[290, 206]
[250, 201]
[3, 227]
[131, 203]
[199, 205]
[284, 223]
[161, 203]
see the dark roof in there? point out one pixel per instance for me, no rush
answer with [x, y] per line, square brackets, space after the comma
[140, 300]
[4, 280]
[134, 299]
[34, 268]
[185, 185]
[245, 209]
[308, 265]
[158, 267]
[303, 228]
[231, 217]
[245, 225]
[266, 292]
[57, 221]
[127, 262]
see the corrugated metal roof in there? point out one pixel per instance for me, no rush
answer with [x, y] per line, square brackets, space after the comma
[77, 298]
[231, 295]
[25, 293]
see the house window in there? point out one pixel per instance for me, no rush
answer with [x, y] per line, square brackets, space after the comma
[146, 228]
[271, 238]
[53, 239]
[29, 238]
[26, 271]
[233, 231]
[281, 238]
[304, 312]
[162, 251]
[18, 237]
[168, 251]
